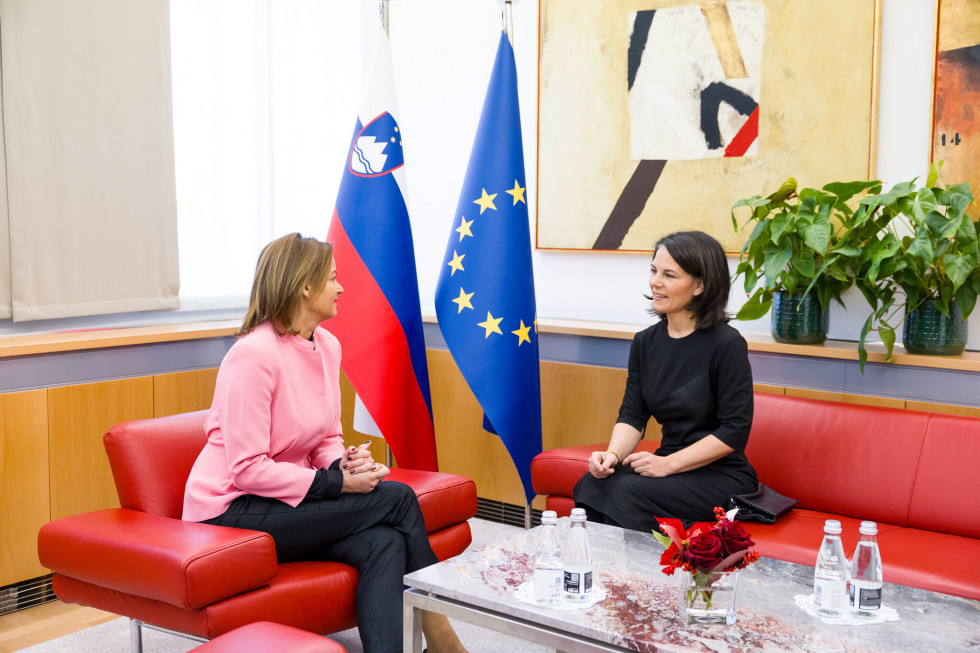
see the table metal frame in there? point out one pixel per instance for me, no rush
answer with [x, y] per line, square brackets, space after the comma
[562, 641]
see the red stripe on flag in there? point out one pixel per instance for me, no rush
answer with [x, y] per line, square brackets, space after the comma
[745, 136]
[376, 358]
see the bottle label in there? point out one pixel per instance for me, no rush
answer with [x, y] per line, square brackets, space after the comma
[863, 595]
[578, 582]
[829, 595]
[547, 586]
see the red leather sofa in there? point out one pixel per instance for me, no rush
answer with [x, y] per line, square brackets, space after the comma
[143, 562]
[915, 473]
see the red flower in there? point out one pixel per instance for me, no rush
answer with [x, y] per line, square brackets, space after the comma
[733, 536]
[671, 559]
[705, 551]
[706, 547]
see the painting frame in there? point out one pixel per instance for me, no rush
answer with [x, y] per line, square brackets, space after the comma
[584, 170]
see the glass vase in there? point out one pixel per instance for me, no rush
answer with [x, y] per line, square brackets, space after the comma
[927, 331]
[798, 319]
[709, 598]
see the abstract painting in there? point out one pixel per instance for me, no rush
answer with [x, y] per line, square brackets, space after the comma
[956, 113]
[658, 115]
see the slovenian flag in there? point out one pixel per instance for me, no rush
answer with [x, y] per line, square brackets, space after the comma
[379, 323]
[485, 294]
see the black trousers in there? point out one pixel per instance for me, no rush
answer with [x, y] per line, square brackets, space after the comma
[381, 534]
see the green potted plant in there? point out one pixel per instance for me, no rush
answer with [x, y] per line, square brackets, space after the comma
[798, 255]
[924, 264]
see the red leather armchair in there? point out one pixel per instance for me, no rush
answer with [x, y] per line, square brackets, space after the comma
[143, 562]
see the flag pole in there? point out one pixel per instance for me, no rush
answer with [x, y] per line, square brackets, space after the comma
[383, 18]
[383, 15]
[508, 26]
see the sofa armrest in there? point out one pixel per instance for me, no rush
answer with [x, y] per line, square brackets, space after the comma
[182, 563]
[554, 472]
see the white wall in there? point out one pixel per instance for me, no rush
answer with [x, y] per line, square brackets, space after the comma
[444, 50]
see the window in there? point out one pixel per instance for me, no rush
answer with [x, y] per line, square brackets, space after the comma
[265, 96]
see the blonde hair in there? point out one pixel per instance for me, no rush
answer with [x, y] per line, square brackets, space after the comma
[286, 266]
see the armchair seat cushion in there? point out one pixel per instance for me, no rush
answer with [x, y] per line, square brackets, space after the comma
[186, 564]
[445, 499]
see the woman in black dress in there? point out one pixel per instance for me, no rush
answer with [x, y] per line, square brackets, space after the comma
[690, 371]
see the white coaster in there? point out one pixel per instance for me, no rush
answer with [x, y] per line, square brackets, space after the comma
[884, 614]
[525, 594]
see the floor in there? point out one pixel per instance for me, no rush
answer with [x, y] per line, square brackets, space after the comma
[45, 622]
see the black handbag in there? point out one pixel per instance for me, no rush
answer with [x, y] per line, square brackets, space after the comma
[764, 505]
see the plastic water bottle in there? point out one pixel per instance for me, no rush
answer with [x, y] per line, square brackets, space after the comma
[864, 587]
[577, 563]
[830, 572]
[548, 562]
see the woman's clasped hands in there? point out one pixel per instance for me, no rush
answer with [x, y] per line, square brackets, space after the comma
[361, 472]
[644, 463]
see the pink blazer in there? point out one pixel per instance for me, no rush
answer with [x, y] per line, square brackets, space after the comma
[274, 421]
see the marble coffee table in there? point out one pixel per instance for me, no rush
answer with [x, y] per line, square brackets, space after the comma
[640, 611]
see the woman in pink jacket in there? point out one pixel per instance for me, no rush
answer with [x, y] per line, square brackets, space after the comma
[275, 459]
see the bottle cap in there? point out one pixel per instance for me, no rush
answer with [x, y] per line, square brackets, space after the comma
[869, 528]
[832, 526]
[549, 517]
[578, 514]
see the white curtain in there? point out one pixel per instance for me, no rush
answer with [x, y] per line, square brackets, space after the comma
[88, 126]
[6, 309]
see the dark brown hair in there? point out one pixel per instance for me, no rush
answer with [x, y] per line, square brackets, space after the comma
[703, 258]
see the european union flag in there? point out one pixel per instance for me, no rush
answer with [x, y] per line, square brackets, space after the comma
[485, 295]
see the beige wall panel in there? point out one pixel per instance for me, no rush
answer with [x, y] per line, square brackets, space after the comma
[183, 392]
[24, 495]
[865, 400]
[78, 417]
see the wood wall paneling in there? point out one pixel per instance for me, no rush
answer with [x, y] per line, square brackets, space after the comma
[379, 450]
[78, 417]
[865, 400]
[947, 409]
[579, 405]
[769, 389]
[183, 392]
[24, 491]
[464, 447]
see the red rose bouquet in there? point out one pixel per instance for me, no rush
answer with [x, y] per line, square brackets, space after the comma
[705, 550]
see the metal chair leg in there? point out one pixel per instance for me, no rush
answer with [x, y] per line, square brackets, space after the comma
[135, 636]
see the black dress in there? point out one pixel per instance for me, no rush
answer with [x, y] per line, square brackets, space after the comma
[693, 386]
